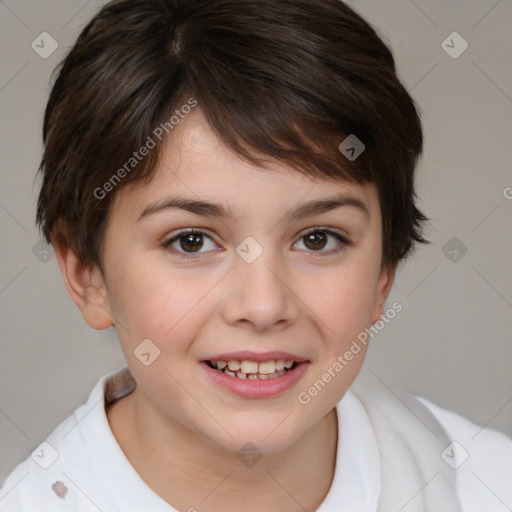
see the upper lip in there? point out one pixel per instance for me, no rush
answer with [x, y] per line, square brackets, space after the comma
[247, 355]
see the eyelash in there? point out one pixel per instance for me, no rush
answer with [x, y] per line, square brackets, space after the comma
[189, 256]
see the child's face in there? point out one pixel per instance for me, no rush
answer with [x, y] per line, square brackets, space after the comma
[298, 296]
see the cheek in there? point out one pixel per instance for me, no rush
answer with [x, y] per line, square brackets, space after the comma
[153, 301]
[343, 300]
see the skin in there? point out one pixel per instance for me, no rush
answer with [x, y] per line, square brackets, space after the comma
[177, 426]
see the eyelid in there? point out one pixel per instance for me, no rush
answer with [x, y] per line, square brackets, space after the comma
[329, 230]
[166, 245]
[343, 240]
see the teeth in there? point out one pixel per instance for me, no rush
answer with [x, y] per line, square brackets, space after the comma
[234, 365]
[249, 366]
[253, 370]
[267, 367]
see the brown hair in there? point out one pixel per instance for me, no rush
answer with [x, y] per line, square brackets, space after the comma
[282, 80]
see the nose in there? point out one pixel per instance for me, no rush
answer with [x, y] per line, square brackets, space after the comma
[259, 295]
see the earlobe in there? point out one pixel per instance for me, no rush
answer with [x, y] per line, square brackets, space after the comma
[384, 285]
[85, 285]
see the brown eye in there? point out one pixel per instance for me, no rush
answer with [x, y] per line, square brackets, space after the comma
[191, 242]
[322, 241]
[316, 240]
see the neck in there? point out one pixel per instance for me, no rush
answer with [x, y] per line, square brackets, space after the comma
[209, 478]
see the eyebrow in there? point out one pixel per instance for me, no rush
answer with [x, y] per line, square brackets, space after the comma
[208, 209]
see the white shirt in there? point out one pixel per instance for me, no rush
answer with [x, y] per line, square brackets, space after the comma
[80, 467]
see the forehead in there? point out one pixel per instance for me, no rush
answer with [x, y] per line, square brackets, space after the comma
[195, 164]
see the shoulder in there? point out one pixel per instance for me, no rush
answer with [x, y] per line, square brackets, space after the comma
[420, 438]
[481, 459]
[60, 474]
[43, 480]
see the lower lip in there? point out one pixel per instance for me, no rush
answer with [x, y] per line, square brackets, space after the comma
[256, 388]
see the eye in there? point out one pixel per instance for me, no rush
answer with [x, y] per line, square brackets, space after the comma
[318, 239]
[190, 242]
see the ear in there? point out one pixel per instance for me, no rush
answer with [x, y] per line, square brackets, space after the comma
[384, 284]
[85, 285]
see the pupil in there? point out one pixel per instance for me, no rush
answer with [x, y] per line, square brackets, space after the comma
[191, 242]
[316, 240]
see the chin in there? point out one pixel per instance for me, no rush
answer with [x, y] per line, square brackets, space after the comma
[270, 436]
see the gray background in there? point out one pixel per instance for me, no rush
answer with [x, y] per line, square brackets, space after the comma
[452, 342]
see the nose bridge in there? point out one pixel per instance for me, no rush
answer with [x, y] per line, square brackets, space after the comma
[258, 295]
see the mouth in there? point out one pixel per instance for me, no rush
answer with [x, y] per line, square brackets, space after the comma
[253, 370]
[250, 375]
